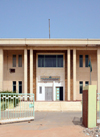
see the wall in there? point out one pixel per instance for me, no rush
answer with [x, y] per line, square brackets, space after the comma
[83, 73]
[51, 72]
[19, 71]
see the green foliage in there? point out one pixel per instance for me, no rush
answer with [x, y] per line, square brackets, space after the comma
[5, 103]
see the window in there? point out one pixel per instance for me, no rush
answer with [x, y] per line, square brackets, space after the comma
[80, 60]
[86, 60]
[50, 60]
[40, 90]
[81, 86]
[14, 86]
[14, 61]
[20, 61]
[86, 83]
[20, 86]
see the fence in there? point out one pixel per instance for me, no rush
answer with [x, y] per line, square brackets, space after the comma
[16, 107]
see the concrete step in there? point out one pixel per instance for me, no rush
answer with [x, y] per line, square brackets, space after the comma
[51, 106]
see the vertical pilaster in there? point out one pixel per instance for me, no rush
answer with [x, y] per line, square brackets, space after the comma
[31, 71]
[25, 71]
[98, 70]
[1, 69]
[68, 73]
[74, 74]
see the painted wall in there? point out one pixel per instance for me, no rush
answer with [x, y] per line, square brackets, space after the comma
[19, 71]
[83, 73]
[49, 72]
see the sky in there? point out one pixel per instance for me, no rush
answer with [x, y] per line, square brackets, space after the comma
[68, 19]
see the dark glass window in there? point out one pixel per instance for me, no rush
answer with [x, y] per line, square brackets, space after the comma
[80, 60]
[40, 60]
[20, 61]
[86, 83]
[20, 86]
[86, 60]
[14, 86]
[81, 86]
[40, 90]
[59, 60]
[50, 60]
[14, 61]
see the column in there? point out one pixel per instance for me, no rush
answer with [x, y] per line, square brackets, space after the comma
[74, 74]
[31, 71]
[98, 70]
[1, 69]
[68, 73]
[25, 71]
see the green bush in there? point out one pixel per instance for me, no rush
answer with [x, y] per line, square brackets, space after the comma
[4, 102]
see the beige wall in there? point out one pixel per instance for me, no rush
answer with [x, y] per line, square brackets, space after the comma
[83, 73]
[19, 71]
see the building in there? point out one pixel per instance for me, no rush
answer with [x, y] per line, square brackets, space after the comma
[52, 69]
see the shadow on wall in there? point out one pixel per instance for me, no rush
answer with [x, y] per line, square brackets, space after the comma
[77, 121]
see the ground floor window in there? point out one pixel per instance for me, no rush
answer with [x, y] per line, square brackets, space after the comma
[80, 87]
[14, 86]
[20, 86]
[86, 83]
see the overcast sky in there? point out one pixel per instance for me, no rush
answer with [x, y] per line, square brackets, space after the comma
[68, 18]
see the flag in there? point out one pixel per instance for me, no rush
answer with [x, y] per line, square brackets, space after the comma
[89, 65]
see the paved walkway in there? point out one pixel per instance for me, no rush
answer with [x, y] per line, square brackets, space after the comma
[46, 124]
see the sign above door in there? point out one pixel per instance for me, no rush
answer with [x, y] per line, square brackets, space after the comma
[50, 78]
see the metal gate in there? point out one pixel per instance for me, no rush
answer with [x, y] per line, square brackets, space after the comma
[16, 107]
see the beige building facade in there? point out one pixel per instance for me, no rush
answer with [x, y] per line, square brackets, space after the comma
[52, 69]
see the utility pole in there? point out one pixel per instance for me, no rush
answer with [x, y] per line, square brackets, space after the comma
[49, 28]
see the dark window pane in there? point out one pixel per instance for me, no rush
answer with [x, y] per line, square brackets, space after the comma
[50, 60]
[86, 83]
[40, 60]
[20, 61]
[20, 86]
[40, 90]
[80, 60]
[86, 60]
[14, 61]
[81, 86]
[59, 60]
[14, 86]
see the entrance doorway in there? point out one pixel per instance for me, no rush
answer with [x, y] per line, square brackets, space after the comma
[59, 93]
[48, 93]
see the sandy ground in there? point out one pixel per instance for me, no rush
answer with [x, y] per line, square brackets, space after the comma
[46, 124]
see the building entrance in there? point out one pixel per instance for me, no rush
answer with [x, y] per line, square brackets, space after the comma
[59, 93]
[48, 93]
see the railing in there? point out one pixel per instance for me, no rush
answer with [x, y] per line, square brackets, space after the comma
[16, 107]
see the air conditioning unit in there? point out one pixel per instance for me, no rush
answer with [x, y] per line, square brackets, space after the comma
[12, 70]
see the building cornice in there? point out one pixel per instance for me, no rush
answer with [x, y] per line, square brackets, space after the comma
[50, 42]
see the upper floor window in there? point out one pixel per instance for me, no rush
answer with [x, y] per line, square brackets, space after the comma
[20, 61]
[80, 60]
[81, 86]
[86, 60]
[50, 60]
[14, 61]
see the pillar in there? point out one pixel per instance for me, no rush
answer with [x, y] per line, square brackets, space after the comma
[25, 71]
[98, 70]
[1, 69]
[31, 71]
[74, 74]
[68, 73]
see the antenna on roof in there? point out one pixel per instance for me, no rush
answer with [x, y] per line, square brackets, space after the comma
[49, 28]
